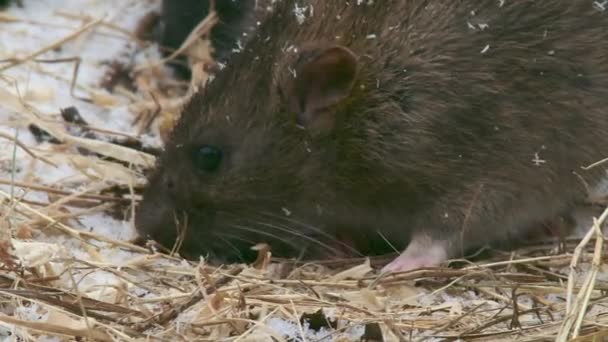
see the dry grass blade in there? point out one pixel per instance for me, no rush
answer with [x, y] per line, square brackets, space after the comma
[80, 235]
[118, 152]
[27, 150]
[52, 190]
[16, 61]
[202, 28]
[577, 308]
[94, 334]
[69, 302]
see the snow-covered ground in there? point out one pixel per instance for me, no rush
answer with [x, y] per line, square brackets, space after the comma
[46, 86]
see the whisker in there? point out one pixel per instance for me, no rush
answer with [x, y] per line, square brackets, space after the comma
[262, 232]
[281, 223]
[314, 229]
[231, 245]
[304, 236]
[181, 231]
[236, 237]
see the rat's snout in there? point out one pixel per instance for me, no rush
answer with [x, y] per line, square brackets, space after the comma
[156, 215]
[175, 189]
[153, 216]
[168, 183]
[170, 212]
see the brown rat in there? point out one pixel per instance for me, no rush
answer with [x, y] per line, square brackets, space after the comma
[437, 126]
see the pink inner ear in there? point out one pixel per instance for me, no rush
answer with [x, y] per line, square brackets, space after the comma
[324, 81]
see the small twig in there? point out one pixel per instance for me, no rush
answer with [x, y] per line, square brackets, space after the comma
[16, 61]
[202, 28]
[197, 296]
[26, 149]
[597, 163]
[515, 323]
[297, 320]
[595, 266]
[76, 60]
[73, 232]
[153, 116]
[104, 23]
[576, 309]
[55, 329]
[495, 322]
[453, 322]
[51, 190]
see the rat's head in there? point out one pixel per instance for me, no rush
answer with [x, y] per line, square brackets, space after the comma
[273, 150]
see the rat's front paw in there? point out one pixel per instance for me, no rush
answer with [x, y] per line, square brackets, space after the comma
[421, 252]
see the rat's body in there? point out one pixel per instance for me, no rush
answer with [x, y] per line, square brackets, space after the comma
[448, 123]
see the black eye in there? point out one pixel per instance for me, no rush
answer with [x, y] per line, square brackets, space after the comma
[208, 158]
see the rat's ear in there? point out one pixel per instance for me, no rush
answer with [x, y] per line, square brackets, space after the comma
[323, 78]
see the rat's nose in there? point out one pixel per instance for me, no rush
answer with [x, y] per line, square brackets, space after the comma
[171, 186]
[169, 182]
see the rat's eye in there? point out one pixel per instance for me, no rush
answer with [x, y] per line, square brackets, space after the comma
[208, 158]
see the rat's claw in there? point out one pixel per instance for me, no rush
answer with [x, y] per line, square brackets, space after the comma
[421, 252]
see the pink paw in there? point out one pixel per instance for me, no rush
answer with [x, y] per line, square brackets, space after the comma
[421, 252]
[404, 264]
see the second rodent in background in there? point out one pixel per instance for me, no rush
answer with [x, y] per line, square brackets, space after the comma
[237, 21]
[433, 126]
